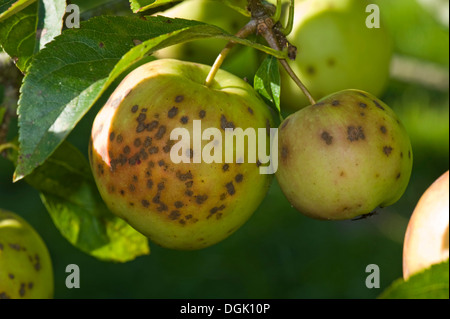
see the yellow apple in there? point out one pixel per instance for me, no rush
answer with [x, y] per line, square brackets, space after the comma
[426, 238]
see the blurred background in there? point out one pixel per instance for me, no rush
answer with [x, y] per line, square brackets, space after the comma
[279, 253]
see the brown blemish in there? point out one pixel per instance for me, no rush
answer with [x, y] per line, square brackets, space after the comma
[185, 176]
[182, 222]
[178, 204]
[336, 103]
[174, 215]
[327, 138]
[161, 186]
[145, 203]
[230, 188]
[387, 150]
[189, 193]
[149, 183]
[284, 152]
[152, 125]
[184, 120]
[362, 105]
[4, 295]
[310, 70]
[162, 207]
[22, 290]
[355, 133]
[238, 178]
[15, 246]
[131, 188]
[202, 114]
[147, 141]
[134, 108]
[398, 176]
[141, 117]
[119, 138]
[250, 110]
[137, 142]
[187, 217]
[189, 184]
[126, 149]
[200, 199]
[342, 174]
[378, 105]
[112, 135]
[225, 167]
[225, 124]
[11, 276]
[172, 112]
[179, 98]
[140, 128]
[161, 131]
[383, 129]
[168, 146]
[331, 62]
[223, 196]
[153, 150]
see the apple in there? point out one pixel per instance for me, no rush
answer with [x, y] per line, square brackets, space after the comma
[336, 51]
[178, 204]
[343, 157]
[25, 264]
[426, 238]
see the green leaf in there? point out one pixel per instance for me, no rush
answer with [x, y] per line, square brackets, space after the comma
[70, 195]
[72, 72]
[267, 82]
[50, 21]
[10, 7]
[17, 36]
[432, 283]
[144, 5]
[26, 32]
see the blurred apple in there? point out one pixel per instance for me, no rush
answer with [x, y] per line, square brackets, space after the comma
[242, 61]
[336, 51]
[426, 238]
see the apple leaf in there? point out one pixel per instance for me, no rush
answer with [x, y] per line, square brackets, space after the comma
[71, 73]
[432, 283]
[69, 193]
[267, 82]
[144, 5]
[10, 7]
[26, 32]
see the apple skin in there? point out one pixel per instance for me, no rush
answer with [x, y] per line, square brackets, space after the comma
[343, 156]
[426, 237]
[336, 51]
[242, 60]
[181, 206]
[25, 265]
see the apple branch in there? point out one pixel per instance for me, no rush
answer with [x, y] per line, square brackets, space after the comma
[264, 21]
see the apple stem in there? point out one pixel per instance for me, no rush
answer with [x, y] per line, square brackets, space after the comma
[248, 29]
[297, 81]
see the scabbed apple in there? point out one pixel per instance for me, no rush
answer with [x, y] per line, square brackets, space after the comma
[25, 264]
[426, 238]
[336, 51]
[177, 205]
[343, 156]
[242, 61]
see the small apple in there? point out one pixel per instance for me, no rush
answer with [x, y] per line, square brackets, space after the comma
[25, 264]
[343, 156]
[186, 205]
[426, 238]
[242, 61]
[336, 51]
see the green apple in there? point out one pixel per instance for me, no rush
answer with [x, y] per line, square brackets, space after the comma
[336, 51]
[181, 205]
[25, 264]
[343, 156]
[426, 237]
[242, 61]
